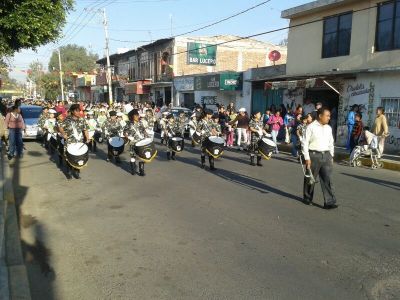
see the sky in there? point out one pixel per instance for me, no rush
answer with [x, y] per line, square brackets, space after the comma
[137, 22]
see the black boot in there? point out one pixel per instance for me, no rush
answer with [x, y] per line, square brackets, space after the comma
[168, 155]
[211, 161]
[133, 168]
[162, 141]
[109, 157]
[203, 162]
[173, 155]
[252, 160]
[259, 161]
[141, 169]
[117, 160]
[68, 172]
[60, 161]
[94, 146]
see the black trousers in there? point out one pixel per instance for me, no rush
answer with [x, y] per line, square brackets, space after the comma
[321, 166]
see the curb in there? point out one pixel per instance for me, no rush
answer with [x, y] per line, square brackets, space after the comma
[4, 285]
[344, 157]
[18, 283]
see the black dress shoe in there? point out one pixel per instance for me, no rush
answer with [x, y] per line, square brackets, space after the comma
[330, 206]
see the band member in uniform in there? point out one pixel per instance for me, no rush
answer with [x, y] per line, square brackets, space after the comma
[135, 131]
[318, 150]
[92, 124]
[148, 121]
[74, 130]
[182, 121]
[192, 127]
[60, 138]
[206, 129]
[43, 116]
[257, 130]
[49, 127]
[112, 128]
[216, 126]
[172, 128]
[163, 123]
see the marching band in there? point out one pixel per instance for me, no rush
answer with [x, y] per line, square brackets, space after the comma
[74, 136]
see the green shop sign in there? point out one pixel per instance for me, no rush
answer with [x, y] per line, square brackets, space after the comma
[207, 83]
[231, 81]
[201, 54]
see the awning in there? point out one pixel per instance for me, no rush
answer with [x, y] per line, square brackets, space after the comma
[294, 84]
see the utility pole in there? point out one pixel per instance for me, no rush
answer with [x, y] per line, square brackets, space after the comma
[109, 76]
[61, 75]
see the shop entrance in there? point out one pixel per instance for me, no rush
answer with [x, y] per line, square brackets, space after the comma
[168, 98]
[188, 100]
[329, 98]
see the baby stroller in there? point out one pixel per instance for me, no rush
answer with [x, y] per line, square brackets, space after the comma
[367, 147]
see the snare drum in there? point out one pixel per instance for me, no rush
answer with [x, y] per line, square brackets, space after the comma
[77, 155]
[145, 150]
[176, 144]
[117, 145]
[214, 146]
[266, 147]
[196, 137]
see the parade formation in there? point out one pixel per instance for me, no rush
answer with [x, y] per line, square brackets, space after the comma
[74, 134]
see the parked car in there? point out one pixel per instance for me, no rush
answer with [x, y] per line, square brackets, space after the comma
[31, 114]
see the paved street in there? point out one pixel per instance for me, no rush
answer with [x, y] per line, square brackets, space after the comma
[185, 233]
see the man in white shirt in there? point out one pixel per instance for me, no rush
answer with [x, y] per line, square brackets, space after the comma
[318, 151]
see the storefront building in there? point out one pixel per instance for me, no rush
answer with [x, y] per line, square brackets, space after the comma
[350, 49]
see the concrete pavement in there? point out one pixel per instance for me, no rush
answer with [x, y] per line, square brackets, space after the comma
[185, 233]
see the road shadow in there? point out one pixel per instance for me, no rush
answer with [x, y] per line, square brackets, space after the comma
[36, 255]
[380, 182]
[253, 184]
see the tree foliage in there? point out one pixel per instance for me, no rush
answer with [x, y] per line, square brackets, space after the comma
[30, 23]
[74, 58]
[51, 85]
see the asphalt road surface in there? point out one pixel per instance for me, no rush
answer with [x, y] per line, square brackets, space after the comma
[186, 233]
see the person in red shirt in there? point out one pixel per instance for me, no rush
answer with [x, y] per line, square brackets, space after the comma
[61, 109]
[356, 132]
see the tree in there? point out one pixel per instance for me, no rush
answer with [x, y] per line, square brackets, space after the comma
[35, 74]
[30, 23]
[74, 58]
[51, 85]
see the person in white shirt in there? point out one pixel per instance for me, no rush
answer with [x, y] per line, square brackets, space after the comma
[318, 151]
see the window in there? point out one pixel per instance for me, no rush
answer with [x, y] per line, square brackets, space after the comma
[392, 111]
[337, 35]
[388, 26]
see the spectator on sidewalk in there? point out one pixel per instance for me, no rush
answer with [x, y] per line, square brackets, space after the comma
[350, 120]
[308, 107]
[15, 124]
[314, 113]
[276, 123]
[357, 131]
[294, 135]
[380, 129]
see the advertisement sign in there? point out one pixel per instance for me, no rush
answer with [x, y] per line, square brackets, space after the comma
[201, 54]
[184, 83]
[231, 81]
[207, 83]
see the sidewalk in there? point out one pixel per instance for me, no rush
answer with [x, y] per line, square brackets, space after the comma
[390, 162]
[14, 282]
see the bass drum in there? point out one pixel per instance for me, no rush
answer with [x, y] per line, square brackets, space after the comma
[266, 147]
[77, 155]
[214, 146]
[196, 137]
[176, 144]
[146, 150]
[117, 144]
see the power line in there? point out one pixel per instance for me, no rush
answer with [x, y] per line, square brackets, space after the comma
[204, 27]
[257, 34]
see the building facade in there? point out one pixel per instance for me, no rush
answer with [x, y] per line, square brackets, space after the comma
[341, 53]
[166, 71]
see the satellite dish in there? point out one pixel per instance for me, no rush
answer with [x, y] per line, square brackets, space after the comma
[274, 56]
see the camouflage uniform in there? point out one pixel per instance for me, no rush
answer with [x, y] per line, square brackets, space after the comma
[217, 128]
[205, 128]
[43, 117]
[182, 121]
[112, 128]
[136, 131]
[255, 138]
[74, 129]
